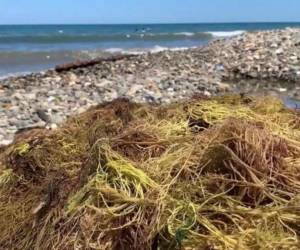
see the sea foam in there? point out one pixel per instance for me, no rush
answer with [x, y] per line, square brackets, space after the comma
[185, 34]
[140, 51]
[226, 33]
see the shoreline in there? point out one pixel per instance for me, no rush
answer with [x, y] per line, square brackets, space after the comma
[251, 62]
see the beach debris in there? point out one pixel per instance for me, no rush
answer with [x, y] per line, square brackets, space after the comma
[80, 64]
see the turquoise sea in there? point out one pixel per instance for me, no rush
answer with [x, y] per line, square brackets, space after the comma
[28, 48]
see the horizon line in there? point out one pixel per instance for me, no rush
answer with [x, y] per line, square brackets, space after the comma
[154, 23]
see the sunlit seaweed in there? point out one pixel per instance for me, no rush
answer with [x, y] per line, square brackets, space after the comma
[220, 173]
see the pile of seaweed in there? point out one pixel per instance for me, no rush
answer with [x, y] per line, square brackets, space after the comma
[220, 173]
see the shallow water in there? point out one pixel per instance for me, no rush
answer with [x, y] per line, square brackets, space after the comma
[292, 103]
[48, 45]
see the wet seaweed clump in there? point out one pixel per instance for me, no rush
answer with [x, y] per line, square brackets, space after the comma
[220, 173]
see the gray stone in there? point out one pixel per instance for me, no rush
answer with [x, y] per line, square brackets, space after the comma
[5, 142]
[30, 96]
[5, 99]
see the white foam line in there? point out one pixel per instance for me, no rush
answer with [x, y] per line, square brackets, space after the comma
[154, 49]
[226, 33]
[185, 34]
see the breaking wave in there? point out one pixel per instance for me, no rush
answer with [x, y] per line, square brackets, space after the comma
[226, 33]
[62, 37]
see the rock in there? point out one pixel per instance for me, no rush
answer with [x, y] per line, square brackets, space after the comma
[29, 96]
[253, 74]
[134, 88]
[294, 58]
[42, 114]
[206, 93]
[78, 94]
[103, 83]
[4, 143]
[71, 79]
[13, 121]
[17, 96]
[5, 99]
[111, 95]
[57, 118]
[223, 87]
[3, 122]
[274, 45]
[281, 89]
[51, 126]
[279, 51]
[2, 131]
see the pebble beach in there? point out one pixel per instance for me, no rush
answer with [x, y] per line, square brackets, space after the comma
[254, 62]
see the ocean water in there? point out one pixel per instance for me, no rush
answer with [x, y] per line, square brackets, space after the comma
[29, 48]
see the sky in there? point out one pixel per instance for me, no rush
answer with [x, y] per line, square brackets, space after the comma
[146, 11]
